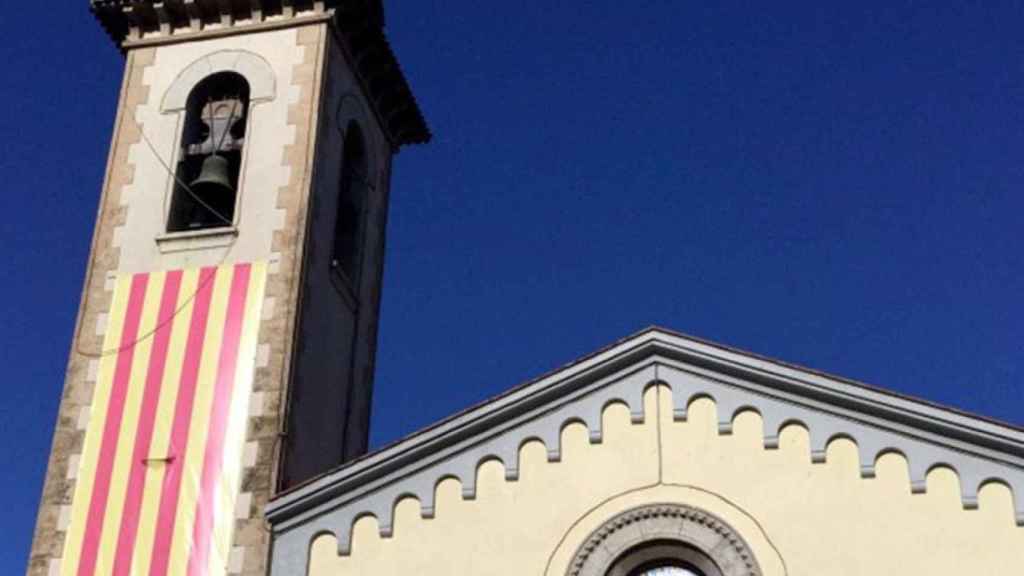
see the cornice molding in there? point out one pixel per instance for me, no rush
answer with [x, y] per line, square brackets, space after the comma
[813, 390]
[358, 25]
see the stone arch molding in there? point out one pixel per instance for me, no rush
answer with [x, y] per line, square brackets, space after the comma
[664, 522]
[256, 71]
[585, 405]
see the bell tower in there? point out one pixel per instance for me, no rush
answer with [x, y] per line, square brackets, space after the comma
[225, 341]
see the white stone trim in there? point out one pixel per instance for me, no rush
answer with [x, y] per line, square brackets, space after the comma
[236, 560]
[243, 506]
[63, 518]
[274, 263]
[84, 415]
[263, 355]
[249, 456]
[101, 323]
[74, 461]
[269, 305]
[257, 403]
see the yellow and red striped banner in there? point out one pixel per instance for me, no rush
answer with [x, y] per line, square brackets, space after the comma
[161, 466]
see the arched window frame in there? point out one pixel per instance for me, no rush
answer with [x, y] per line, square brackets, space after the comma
[262, 82]
[214, 125]
[641, 559]
[664, 534]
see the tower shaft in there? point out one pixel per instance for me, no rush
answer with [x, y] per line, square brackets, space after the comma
[225, 340]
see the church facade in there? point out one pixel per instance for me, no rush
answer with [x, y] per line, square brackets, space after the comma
[217, 399]
[664, 454]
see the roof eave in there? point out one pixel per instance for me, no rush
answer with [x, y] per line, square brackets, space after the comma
[359, 23]
[383, 80]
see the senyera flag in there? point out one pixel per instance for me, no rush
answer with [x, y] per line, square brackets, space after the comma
[160, 469]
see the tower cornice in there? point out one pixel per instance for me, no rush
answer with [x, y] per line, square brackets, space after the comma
[360, 24]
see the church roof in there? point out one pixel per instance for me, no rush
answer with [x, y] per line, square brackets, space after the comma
[360, 23]
[979, 450]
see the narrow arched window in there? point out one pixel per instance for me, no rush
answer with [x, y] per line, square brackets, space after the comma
[206, 177]
[350, 222]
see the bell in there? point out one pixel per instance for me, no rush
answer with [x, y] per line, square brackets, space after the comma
[213, 182]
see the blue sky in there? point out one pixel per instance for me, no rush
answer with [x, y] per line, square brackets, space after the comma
[836, 187]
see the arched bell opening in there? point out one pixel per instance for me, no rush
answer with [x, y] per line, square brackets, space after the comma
[210, 156]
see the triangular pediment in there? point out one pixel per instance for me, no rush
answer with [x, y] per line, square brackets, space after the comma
[879, 422]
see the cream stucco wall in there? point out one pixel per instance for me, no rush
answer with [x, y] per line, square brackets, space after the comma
[798, 518]
[175, 69]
